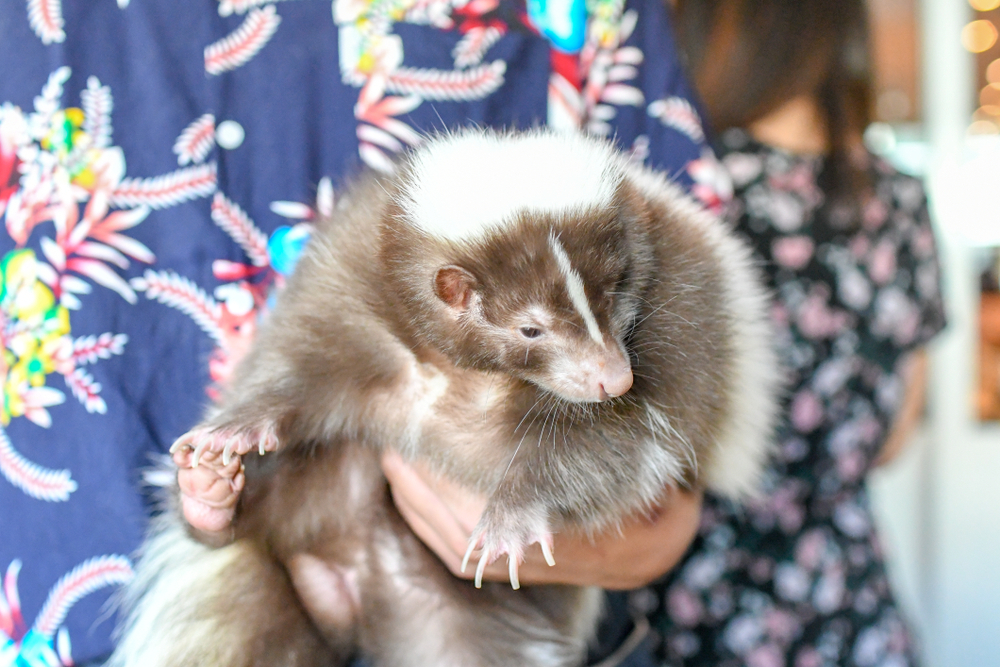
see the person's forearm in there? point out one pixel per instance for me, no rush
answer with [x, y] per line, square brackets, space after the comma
[915, 380]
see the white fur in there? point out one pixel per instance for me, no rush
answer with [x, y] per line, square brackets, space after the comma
[467, 183]
[747, 435]
[670, 464]
[164, 626]
[574, 285]
[427, 385]
[588, 614]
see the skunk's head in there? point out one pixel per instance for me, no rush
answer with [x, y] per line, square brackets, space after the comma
[533, 249]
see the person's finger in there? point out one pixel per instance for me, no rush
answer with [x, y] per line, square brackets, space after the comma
[429, 536]
[421, 485]
[465, 506]
[431, 520]
[445, 548]
[434, 518]
[436, 503]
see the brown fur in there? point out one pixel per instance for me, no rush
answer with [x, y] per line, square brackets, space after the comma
[335, 364]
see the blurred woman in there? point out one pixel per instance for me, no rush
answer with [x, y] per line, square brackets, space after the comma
[798, 577]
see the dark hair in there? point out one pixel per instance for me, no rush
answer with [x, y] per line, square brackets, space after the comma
[748, 57]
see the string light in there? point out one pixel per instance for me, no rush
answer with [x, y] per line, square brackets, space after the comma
[979, 36]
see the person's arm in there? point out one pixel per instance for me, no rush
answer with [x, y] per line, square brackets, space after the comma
[443, 515]
[915, 378]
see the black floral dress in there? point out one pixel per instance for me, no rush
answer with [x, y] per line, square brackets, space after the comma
[798, 578]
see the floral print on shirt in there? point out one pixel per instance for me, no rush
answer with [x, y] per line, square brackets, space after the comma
[798, 577]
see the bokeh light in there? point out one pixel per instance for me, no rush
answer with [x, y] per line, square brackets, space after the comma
[984, 5]
[990, 95]
[979, 36]
[983, 127]
[880, 138]
[993, 71]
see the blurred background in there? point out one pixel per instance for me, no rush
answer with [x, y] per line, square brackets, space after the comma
[938, 109]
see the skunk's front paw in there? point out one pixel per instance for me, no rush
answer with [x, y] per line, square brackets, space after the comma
[500, 532]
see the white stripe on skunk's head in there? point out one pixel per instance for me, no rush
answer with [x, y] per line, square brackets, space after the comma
[461, 185]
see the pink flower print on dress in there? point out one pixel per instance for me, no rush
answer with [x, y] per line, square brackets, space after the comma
[779, 315]
[743, 633]
[816, 320]
[766, 655]
[922, 243]
[791, 582]
[807, 411]
[852, 520]
[831, 376]
[786, 212]
[761, 569]
[859, 247]
[874, 214]
[743, 168]
[801, 180]
[783, 507]
[794, 449]
[896, 316]
[851, 466]
[811, 549]
[882, 262]
[782, 626]
[808, 657]
[684, 607]
[870, 647]
[793, 252]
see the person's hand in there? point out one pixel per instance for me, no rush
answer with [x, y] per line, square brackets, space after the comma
[443, 515]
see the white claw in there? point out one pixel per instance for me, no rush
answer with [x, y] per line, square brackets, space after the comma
[227, 453]
[468, 555]
[480, 569]
[180, 442]
[262, 448]
[547, 552]
[512, 569]
[198, 451]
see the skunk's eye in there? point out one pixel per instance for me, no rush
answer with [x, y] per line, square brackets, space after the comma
[530, 332]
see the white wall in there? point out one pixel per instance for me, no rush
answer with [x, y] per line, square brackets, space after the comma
[940, 504]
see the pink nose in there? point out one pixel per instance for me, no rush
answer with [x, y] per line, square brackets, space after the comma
[616, 383]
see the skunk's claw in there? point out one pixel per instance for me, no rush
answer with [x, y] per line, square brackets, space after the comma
[511, 539]
[227, 441]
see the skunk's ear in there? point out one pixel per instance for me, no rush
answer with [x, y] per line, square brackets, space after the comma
[454, 285]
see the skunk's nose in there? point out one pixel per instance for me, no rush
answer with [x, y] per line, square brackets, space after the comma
[615, 383]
